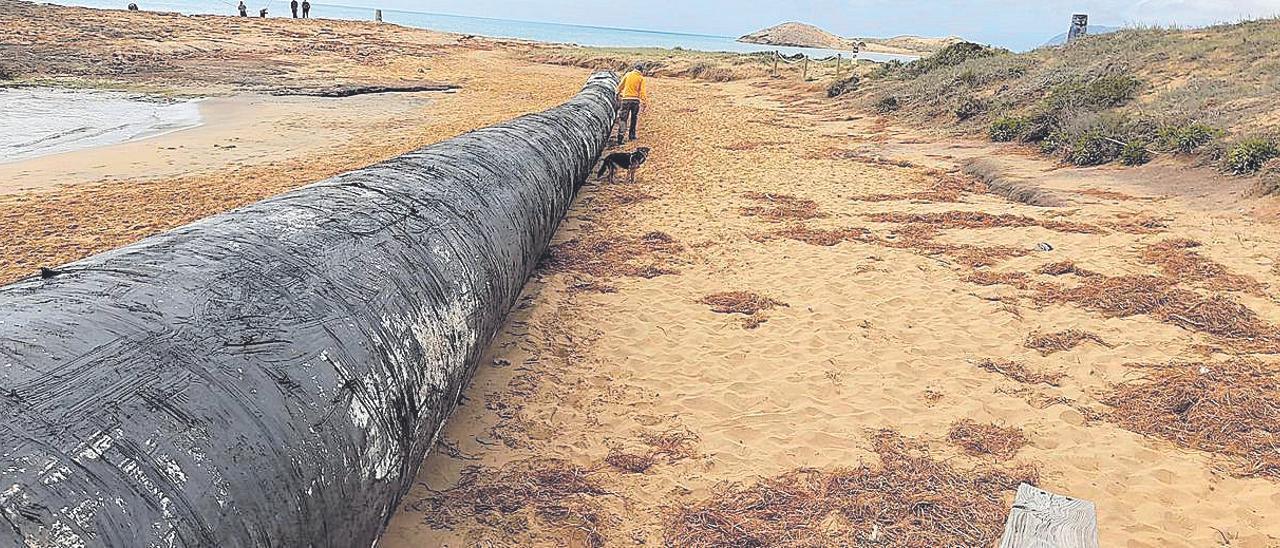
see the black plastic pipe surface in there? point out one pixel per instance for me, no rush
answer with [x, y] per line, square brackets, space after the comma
[274, 375]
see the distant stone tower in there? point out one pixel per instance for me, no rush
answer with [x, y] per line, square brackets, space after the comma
[1079, 26]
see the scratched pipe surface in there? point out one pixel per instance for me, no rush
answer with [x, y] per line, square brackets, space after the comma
[274, 375]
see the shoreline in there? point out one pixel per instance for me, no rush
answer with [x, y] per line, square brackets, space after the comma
[161, 123]
[730, 44]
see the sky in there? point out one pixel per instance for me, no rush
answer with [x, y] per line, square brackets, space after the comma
[1014, 24]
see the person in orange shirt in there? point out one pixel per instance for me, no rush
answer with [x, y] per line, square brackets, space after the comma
[632, 97]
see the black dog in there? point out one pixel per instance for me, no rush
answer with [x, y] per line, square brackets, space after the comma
[623, 160]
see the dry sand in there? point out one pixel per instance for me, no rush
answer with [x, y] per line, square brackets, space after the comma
[874, 337]
[616, 405]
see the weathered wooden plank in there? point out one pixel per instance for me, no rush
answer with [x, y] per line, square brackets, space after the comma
[1040, 519]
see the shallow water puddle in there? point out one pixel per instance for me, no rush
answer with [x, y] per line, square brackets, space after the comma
[41, 121]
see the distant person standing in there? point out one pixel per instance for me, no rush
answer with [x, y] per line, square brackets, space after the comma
[133, 7]
[262, 13]
[632, 96]
[294, 7]
[244, 10]
[306, 9]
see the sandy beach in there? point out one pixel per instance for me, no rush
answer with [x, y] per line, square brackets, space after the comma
[791, 298]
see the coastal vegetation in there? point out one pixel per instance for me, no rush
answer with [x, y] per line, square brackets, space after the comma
[1121, 97]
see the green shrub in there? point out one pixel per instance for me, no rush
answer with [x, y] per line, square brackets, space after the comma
[843, 86]
[1098, 94]
[6, 73]
[1248, 155]
[1186, 139]
[1112, 91]
[887, 104]
[960, 52]
[1008, 128]
[969, 108]
[1041, 126]
[1093, 147]
[1135, 153]
[1052, 143]
[885, 70]
[951, 56]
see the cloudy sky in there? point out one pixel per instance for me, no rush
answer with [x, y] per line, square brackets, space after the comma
[1017, 24]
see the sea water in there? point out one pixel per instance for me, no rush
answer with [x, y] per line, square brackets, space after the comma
[496, 28]
[39, 121]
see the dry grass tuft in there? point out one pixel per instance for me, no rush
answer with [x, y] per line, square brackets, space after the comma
[824, 237]
[1061, 341]
[754, 321]
[1064, 268]
[920, 238]
[592, 286]
[605, 256]
[1139, 225]
[910, 499]
[912, 236]
[674, 445]
[782, 207]
[1020, 373]
[978, 256]
[976, 439]
[633, 463]
[1230, 409]
[1176, 260]
[946, 188]
[552, 490]
[979, 219]
[1156, 296]
[987, 277]
[740, 302]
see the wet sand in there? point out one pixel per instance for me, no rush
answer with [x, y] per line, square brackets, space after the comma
[618, 407]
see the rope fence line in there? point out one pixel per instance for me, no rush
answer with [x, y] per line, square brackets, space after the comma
[805, 60]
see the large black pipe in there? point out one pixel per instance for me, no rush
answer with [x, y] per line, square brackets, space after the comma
[274, 375]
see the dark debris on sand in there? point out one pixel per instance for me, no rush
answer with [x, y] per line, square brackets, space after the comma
[910, 499]
[1230, 409]
[1061, 341]
[646, 256]
[986, 440]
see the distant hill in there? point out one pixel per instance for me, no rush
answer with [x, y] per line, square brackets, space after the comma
[1093, 29]
[808, 36]
[800, 35]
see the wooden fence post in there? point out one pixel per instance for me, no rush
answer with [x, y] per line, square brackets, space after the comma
[837, 66]
[776, 55]
[806, 69]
